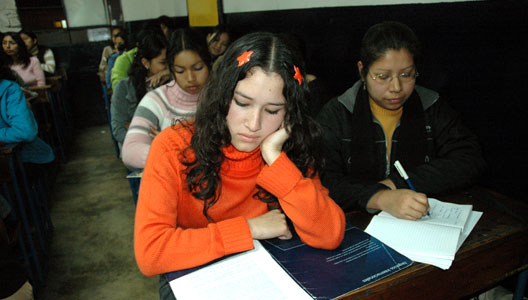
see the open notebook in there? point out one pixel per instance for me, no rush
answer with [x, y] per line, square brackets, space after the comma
[290, 269]
[433, 239]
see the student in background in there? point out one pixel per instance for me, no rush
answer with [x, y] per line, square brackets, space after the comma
[43, 53]
[18, 125]
[218, 40]
[319, 93]
[167, 25]
[150, 60]
[124, 61]
[13, 276]
[20, 61]
[113, 57]
[118, 44]
[189, 64]
[212, 186]
[386, 117]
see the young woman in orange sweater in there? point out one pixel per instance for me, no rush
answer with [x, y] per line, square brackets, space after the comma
[247, 163]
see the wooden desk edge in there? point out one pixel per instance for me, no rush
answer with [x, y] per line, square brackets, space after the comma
[506, 244]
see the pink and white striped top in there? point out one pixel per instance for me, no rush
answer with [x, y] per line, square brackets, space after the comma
[158, 109]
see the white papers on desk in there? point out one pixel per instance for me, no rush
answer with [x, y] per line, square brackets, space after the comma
[433, 240]
[251, 275]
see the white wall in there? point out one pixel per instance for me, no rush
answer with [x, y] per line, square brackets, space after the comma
[235, 6]
[135, 10]
[8, 16]
[82, 13]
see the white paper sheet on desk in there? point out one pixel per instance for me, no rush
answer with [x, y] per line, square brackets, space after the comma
[445, 264]
[474, 217]
[250, 275]
[414, 238]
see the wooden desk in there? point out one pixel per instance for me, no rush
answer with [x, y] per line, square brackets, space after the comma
[496, 249]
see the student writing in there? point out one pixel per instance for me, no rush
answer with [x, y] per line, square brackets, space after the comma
[386, 117]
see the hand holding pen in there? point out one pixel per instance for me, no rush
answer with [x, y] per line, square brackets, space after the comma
[404, 175]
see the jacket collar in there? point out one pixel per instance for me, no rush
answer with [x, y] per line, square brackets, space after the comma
[348, 98]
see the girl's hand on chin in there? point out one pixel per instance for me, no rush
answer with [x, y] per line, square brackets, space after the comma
[271, 146]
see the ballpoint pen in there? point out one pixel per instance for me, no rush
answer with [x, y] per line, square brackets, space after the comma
[404, 175]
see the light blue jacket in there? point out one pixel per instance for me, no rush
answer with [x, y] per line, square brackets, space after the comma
[18, 125]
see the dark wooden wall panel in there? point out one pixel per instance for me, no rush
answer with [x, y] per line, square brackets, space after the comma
[475, 56]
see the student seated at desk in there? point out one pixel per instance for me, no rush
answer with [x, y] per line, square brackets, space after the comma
[387, 117]
[217, 41]
[124, 61]
[166, 24]
[43, 53]
[118, 44]
[247, 163]
[20, 61]
[150, 60]
[189, 64]
[17, 123]
[114, 56]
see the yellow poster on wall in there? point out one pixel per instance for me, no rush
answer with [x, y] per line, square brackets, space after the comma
[202, 12]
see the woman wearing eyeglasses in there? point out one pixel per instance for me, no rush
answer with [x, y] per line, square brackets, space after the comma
[386, 117]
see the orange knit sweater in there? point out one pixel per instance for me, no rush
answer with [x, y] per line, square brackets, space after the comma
[171, 233]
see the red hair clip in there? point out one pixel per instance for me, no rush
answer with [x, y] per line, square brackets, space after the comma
[244, 57]
[298, 76]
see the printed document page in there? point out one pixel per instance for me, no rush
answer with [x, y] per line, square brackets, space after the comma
[249, 275]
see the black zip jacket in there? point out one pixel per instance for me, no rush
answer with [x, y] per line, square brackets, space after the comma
[437, 151]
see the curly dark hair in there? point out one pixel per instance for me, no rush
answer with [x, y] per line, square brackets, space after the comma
[23, 54]
[272, 54]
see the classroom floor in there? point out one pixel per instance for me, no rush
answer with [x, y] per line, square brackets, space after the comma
[92, 254]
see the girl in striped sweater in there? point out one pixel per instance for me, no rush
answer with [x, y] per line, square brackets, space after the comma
[189, 63]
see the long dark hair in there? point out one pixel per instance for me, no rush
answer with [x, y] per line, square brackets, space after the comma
[187, 39]
[389, 35]
[216, 32]
[41, 48]
[272, 54]
[23, 53]
[149, 47]
[5, 72]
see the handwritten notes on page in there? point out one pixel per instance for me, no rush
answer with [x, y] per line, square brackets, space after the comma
[433, 239]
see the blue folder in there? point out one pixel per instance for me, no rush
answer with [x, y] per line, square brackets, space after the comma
[326, 274]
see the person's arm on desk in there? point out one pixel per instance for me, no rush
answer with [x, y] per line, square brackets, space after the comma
[401, 203]
[162, 244]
